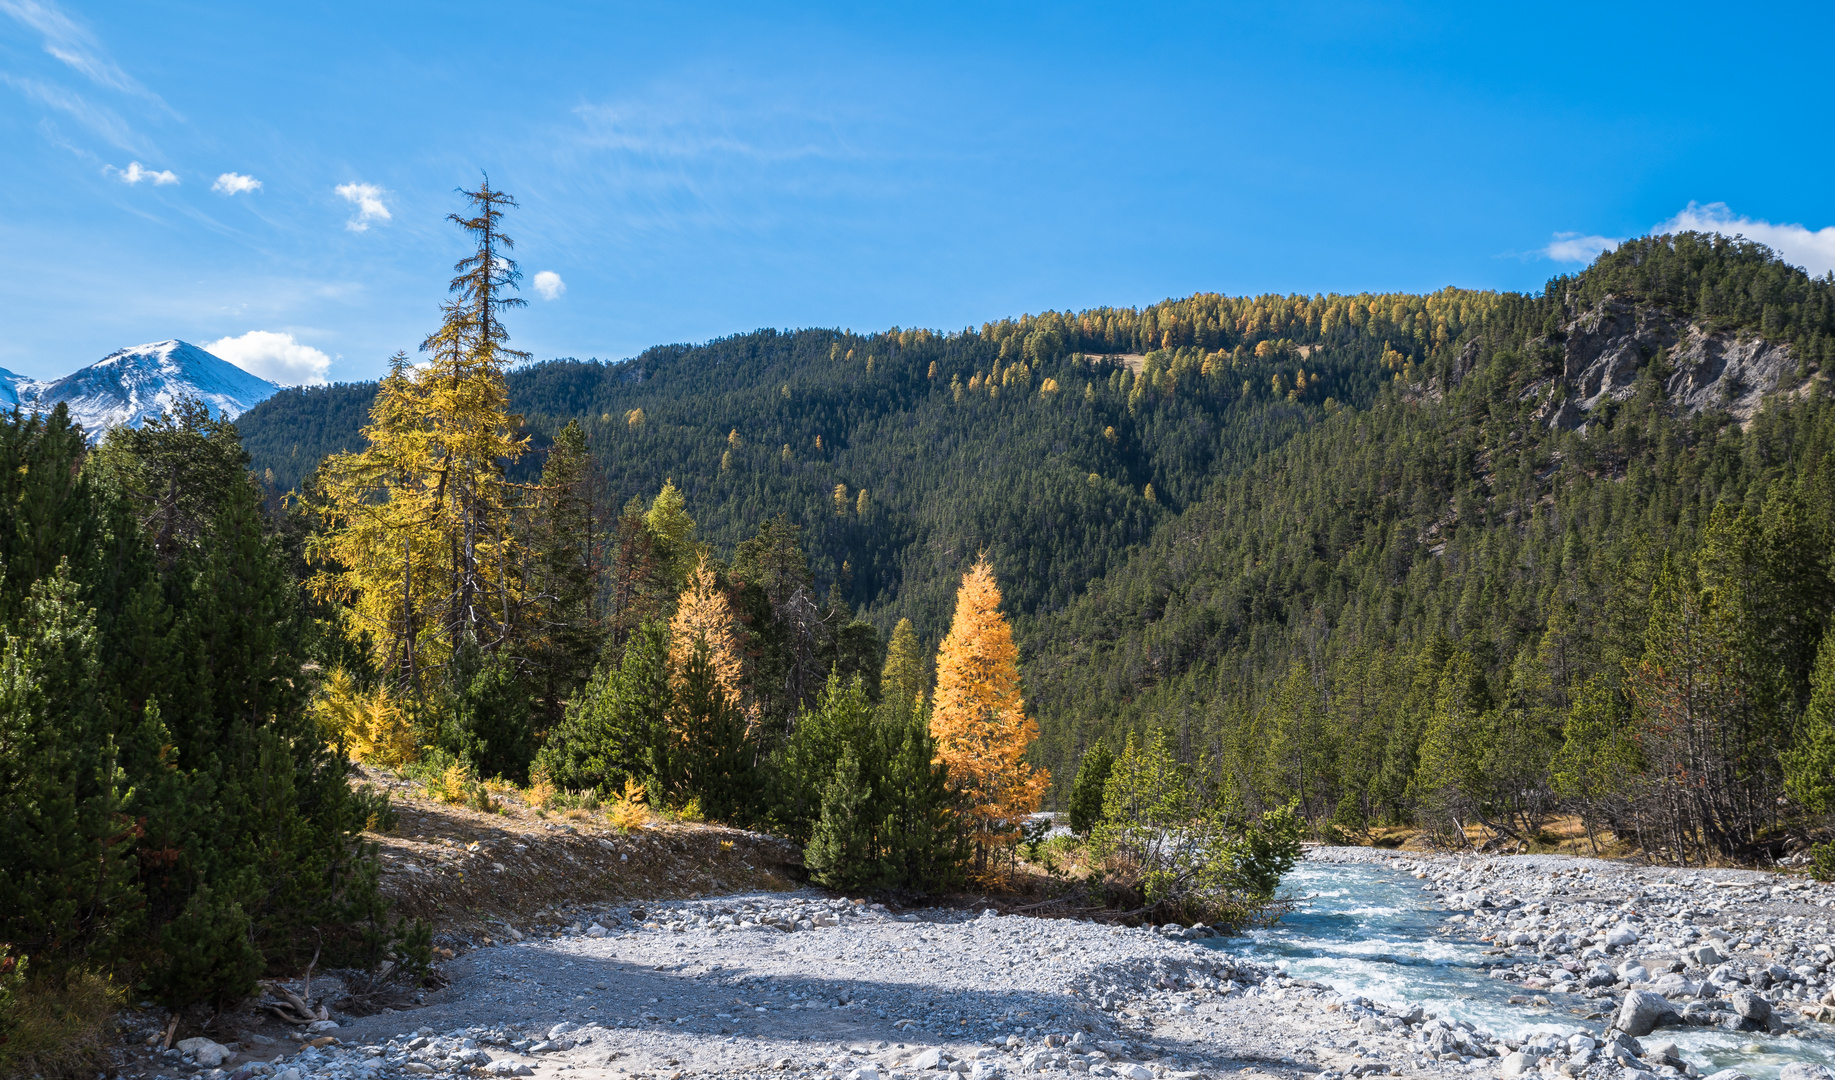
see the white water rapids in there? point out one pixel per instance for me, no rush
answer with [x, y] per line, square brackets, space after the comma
[1373, 932]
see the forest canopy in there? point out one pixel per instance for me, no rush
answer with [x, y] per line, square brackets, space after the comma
[1273, 527]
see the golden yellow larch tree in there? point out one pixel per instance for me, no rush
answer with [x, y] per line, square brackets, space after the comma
[378, 547]
[416, 529]
[979, 719]
[703, 612]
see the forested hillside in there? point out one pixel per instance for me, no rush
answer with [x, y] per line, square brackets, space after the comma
[1478, 600]
[1396, 557]
[904, 453]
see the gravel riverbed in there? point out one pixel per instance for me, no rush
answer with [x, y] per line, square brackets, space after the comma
[814, 987]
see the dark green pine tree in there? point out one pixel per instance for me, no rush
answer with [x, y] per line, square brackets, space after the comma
[266, 817]
[67, 889]
[709, 757]
[162, 748]
[1809, 767]
[565, 543]
[207, 953]
[173, 470]
[783, 620]
[615, 729]
[68, 755]
[1086, 790]
[51, 513]
[878, 812]
[850, 646]
[926, 846]
[844, 850]
[487, 713]
[803, 767]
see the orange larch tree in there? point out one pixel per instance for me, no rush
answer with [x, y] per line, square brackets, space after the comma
[703, 612]
[979, 720]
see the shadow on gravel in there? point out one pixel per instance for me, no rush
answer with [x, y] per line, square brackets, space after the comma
[703, 1000]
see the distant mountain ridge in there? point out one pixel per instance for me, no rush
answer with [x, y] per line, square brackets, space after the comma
[130, 385]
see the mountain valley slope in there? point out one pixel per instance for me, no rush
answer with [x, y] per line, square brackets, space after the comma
[1328, 484]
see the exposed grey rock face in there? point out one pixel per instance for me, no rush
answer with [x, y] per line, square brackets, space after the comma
[1718, 370]
[1607, 348]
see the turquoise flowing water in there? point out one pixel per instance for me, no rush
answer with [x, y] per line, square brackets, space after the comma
[1373, 932]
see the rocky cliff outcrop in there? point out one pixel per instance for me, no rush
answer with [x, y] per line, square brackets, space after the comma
[1605, 350]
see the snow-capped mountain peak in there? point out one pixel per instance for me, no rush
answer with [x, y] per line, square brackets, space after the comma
[129, 385]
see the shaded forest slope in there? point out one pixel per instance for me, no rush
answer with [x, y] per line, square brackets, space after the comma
[904, 453]
[1514, 499]
[1343, 487]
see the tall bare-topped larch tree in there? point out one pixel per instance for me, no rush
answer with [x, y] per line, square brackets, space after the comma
[418, 534]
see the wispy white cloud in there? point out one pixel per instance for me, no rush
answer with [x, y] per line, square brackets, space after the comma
[135, 173]
[1813, 250]
[367, 198]
[549, 284]
[276, 357]
[235, 184]
[672, 133]
[74, 44]
[99, 119]
[700, 152]
[1576, 248]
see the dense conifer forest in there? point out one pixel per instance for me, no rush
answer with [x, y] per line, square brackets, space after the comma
[1012, 437]
[1449, 609]
[1274, 527]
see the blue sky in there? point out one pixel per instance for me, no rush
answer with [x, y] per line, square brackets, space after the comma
[689, 171]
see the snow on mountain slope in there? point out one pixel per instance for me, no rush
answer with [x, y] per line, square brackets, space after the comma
[11, 386]
[130, 385]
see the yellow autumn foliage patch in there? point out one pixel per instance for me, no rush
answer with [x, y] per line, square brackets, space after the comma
[370, 725]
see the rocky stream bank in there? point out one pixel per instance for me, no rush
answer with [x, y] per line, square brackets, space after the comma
[808, 986]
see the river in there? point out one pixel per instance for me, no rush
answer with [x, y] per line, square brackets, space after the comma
[1373, 932]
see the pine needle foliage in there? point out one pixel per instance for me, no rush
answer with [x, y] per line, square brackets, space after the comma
[168, 808]
[615, 729]
[864, 789]
[1086, 790]
[901, 681]
[1183, 847]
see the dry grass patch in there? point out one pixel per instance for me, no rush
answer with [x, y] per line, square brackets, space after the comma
[61, 1027]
